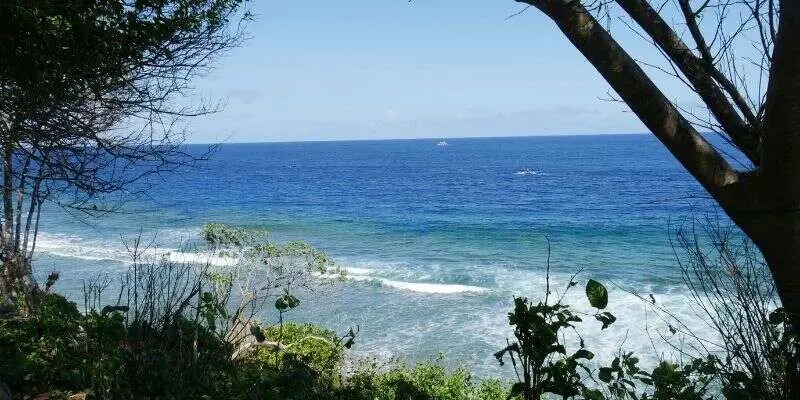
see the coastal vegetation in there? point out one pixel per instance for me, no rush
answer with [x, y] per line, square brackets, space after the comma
[80, 128]
[189, 330]
[182, 330]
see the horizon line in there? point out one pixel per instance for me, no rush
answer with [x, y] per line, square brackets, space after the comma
[420, 138]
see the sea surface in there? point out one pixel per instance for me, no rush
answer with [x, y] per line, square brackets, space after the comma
[437, 239]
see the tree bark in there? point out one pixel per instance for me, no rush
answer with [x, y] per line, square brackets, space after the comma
[700, 72]
[8, 199]
[9, 270]
[16, 275]
[773, 222]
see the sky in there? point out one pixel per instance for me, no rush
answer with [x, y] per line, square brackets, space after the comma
[381, 69]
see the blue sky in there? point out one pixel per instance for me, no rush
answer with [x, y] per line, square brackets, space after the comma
[379, 69]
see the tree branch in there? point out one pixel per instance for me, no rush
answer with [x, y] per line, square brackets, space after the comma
[701, 74]
[693, 151]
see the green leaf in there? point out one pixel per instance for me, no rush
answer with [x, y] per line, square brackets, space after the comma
[516, 390]
[281, 304]
[257, 333]
[592, 394]
[597, 294]
[287, 301]
[293, 301]
[207, 297]
[583, 353]
[777, 316]
[604, 374]
[606, 318]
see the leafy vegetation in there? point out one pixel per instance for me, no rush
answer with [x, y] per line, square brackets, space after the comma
[181, 331]
[62, 352]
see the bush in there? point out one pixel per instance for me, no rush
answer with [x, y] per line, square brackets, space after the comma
[44, 352]
[426, 381]
[317, 347]
[301, 361]
[61, 350]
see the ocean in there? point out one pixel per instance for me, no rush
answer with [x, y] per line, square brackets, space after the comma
[436, 239]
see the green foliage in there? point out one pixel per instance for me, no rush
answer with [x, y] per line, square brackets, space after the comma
[30, 348]
[319, 348]
[542, 363]
[538, 354]
[426, 381]
[286, 302]
[597, 294]
[183, 354]
[62, 350]
[220, 236]
[668, 380]
[70, 48]
[253, 250]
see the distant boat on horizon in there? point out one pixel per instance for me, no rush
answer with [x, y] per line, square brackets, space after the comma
[443, 143]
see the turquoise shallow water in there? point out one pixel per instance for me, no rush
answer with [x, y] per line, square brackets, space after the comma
[437, 239]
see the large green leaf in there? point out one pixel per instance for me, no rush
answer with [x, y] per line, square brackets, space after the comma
[597, 294]
[604, 374]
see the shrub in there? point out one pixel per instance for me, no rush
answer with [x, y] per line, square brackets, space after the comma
[46, 351]
[292, 361]
[425, 381]
[317, 347]
[543, 365]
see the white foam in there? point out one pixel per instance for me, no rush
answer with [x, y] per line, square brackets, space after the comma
[421, 287]
[61, 245]
[201, 258]
[69, 246]
[357, 271]
[445, 288]
[528, 171]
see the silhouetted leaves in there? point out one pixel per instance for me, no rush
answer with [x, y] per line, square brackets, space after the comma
[597, 294]
[286, 302]
[606, 318]
[257, 333]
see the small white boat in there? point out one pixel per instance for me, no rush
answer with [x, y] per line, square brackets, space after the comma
[443, 143]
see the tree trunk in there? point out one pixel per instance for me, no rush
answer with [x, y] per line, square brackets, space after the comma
[17, 285]
[774, 223]
[777, 235]
[8, 196]
[9, 269]
[16, 276]
[778, 238]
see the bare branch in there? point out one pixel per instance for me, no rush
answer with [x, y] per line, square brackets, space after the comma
[619, 69]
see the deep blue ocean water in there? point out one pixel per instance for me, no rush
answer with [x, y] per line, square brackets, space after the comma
[437, 238]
